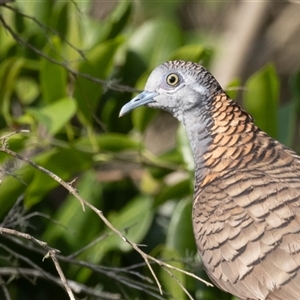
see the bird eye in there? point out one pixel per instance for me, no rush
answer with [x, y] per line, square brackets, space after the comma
[172, 79]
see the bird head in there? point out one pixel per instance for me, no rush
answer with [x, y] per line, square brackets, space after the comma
[177, 87]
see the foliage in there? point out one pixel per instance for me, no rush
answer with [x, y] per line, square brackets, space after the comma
[59, 77]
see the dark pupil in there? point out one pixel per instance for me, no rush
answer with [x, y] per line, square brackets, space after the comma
[172, 79]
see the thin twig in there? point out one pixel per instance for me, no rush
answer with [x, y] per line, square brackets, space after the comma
[27, 237]
[68, 186]
[61, 274]
[50, 29]
[178, 282]
[111, 272]
[91, 244]
[51, 252]
[4, 288]
[84, 203]
[76, 286]
[108, 84]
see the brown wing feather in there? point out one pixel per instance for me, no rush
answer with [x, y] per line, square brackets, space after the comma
[247, 227]
[246, 213]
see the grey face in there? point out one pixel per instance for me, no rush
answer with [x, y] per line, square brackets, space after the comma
[174, 86]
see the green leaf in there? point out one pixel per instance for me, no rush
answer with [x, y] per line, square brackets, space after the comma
[287, 117]
[112, 142]
[196, 53]
[13, 186]
[74, 35]
[79, 233]
[288, 113]
[261, 99]
[7, 41]
[65, 163]
[53, 77]
[233, 88]
[295, 87]
[171, 158]
[180, 234]
[9, 71]
[98, 64]
[16, 143]
[27, 89]
[41, 8]
[155, 40]
[133, 220]
[55, 115]
[119, 18]
[169, 283]
[183, 145]
[117, 142]
[176, 191]
[60, 17]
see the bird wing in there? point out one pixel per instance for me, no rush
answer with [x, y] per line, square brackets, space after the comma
[247, 226]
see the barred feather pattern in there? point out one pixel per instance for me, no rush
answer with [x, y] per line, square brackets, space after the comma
[246, 214]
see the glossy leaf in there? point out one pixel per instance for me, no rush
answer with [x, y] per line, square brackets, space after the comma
[133, 220]
[75, 36]
[52, 76]
[288, 113]
[165, 163]
[13, 186]
[73, 225]
[261, 99]
[287, 116]
[116, 142]
[185, 148]
[98, 63]
[113, 142]
[180, 235]
[27, 90]
[65, 162]
[232, 88]
[55, 115]
[9, 71]
[196, 53]
[83, 138]
[119, 18]
[155, 40]
[176, 191]
[169, 283]
[7, 41]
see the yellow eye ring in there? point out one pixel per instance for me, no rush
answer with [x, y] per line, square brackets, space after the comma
[172, 79]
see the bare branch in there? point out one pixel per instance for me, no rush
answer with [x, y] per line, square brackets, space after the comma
[47, 28]
[178, 282]
[108, 84]
[4, 288]
[147, 258]
[75, 286]
[51, 252]
[36, 166]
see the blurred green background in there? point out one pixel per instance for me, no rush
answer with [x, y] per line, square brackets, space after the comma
[66, 69]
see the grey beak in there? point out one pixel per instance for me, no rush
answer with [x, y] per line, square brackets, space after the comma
[141, 99]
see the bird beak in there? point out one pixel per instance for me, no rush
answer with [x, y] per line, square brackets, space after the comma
[141, 99]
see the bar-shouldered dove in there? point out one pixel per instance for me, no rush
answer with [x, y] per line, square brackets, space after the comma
[246, 209]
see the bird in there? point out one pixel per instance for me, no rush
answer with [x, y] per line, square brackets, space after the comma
[246, 203]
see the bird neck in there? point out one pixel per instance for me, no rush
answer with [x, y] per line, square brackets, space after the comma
[219, 132]
[198, 122]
